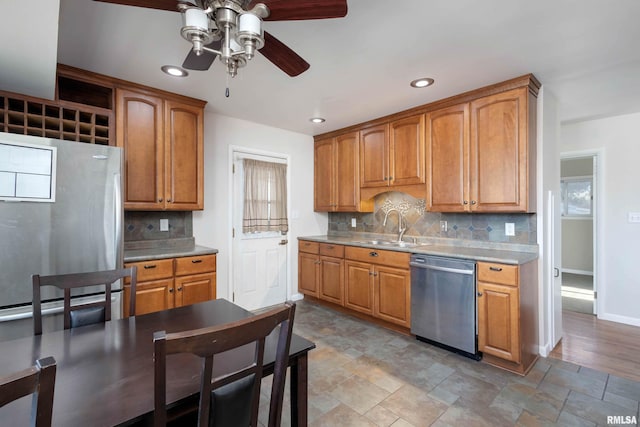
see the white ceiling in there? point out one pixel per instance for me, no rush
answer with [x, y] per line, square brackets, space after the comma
[584, 52]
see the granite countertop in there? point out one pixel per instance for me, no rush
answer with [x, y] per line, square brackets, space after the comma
[161, 249]
[479, 251]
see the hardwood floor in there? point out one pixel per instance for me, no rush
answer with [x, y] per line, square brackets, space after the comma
[599, 344]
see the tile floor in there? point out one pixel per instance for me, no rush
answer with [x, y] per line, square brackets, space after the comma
[364, 375]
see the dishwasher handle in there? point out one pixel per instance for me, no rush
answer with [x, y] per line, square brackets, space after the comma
[445, 269]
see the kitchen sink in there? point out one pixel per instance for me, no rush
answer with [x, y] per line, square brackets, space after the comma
[393, 243]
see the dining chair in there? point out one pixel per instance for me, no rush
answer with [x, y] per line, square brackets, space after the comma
[231, 399]
[82, 314]
[38, 380]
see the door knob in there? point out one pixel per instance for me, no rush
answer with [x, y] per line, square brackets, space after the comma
[283, 242]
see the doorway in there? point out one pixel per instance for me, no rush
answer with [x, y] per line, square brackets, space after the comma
[259, 259]
[578, 183]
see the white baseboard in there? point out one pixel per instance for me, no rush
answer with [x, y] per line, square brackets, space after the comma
[633, 321]
[544, 350]
[297, 297]
[573, 271]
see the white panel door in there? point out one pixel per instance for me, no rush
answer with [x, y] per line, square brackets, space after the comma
[259, 260]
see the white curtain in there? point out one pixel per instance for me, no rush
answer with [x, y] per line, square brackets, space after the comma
[265, 197]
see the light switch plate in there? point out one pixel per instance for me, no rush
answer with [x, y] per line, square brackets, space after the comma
[164, 224]
[509, 229]
[443, 226]
[353, 222]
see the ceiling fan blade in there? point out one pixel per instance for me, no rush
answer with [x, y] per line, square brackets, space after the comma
[292, 10]
[282, 56]
[170, 5]
[204, 61]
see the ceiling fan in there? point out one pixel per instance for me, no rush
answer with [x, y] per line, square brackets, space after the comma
[232, 29]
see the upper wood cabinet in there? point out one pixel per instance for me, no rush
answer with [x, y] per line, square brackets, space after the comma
[503, 152]
[163, 151]
[481, 155]
[336, 174]
[392, 157]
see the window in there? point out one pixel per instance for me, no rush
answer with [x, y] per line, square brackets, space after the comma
[577, 197]
[265, 197]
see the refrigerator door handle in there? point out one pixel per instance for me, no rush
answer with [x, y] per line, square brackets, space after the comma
[117, 194]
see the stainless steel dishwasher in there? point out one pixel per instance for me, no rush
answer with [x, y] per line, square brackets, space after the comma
[443, 303]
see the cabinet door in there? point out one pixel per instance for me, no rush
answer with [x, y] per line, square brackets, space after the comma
[406, 151]
[152, 296]
[498, 321]
[448, 159]
[359, 286]
[374, 156]
[308, 273]
[139, 132]
[347, 180]
[324, 176]
[499, 152]
[332, 280]
[392, 295]
[184, 142]
[196, 288]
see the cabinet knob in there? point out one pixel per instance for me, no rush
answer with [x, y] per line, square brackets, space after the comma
[169, 200]
[473, 202]
[159, 200]
[179, 289]
[170, 290]
[373, 253]
[465, 202]
[479, 294]
[390, 178]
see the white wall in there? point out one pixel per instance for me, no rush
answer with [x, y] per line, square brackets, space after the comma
[548, 182]
[212, 227]
[619, 242]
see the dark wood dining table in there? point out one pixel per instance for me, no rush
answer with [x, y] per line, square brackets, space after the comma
[105, 371]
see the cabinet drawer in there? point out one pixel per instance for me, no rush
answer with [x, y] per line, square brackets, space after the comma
[329, 249]
[153, 269]
[376, 256]
[195, 264]
[308, 247]
[498, 273]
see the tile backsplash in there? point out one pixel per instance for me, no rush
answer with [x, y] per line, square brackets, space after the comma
[469, 226]
[139, 225]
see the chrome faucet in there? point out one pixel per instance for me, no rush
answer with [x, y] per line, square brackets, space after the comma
[401, 229]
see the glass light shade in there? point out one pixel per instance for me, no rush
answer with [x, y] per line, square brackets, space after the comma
[249, 24]
[194, 17]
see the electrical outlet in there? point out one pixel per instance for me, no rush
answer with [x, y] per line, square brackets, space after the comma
[353, 222]
[443, 226]
[164, 224]
[509, 229]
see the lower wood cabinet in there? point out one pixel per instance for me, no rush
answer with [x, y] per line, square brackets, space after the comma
[507, 315]
[378, 283]
[372, 282]
[321, 271]
[172, 282]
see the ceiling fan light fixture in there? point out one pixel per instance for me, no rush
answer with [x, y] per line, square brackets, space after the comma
[317, 120]
[174, 71]
[422, 82]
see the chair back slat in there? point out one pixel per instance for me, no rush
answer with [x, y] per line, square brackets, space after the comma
[67, 282]
[209, 342]
[38, 380]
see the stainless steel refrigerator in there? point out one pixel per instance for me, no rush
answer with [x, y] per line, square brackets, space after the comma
[75, 228]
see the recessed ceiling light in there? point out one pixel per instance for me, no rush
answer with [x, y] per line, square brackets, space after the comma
[172, 70]
[423, 82]
[317, 120]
